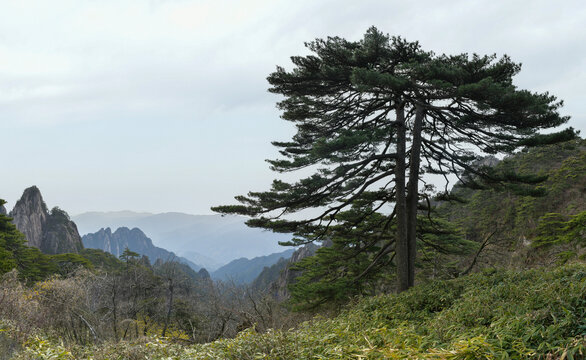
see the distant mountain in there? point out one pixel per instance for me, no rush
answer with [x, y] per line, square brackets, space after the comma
[135, 240]
[219, 238]
[202, 260]
[90, 222]
[244, 271]
[51, 231]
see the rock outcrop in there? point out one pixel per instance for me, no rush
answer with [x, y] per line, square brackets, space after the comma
[60, 234]
[287, 275]
[52, 232]
[30, 215]
[135, 240]
[2, 210]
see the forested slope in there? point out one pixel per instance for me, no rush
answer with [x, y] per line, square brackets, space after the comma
[514, 228]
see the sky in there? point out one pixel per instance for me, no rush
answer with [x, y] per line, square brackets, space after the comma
[163, 106]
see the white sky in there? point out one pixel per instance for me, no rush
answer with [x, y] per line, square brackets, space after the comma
[163, 105]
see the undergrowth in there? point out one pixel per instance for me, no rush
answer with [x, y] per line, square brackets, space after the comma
[496, 314]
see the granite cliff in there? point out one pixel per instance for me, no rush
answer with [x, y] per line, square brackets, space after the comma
[50, 231]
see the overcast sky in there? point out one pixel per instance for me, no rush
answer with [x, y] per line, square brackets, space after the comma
[163, 105]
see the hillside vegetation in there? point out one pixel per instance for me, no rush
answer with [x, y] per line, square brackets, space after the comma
[520, 293]
[515, 229]
[514, 226]
[496, 314]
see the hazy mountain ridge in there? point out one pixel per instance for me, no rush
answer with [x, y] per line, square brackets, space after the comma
[244, 271]
[220, 239]
[135, 240]
[202, 260]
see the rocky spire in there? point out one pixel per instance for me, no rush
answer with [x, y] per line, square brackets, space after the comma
[279, 288]
[30, 215]
[52, 232]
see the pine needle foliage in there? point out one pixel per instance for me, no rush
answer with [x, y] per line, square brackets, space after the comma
[372, 116]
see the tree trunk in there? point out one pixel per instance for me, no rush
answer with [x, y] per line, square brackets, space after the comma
[114, 313]
[169, 307]
[413, 193]
[401, 247]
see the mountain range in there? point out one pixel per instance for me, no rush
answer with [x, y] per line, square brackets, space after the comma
[244, 271]
[135, 240]
[207, 240]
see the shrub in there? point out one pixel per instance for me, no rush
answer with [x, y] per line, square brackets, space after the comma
[497, 314]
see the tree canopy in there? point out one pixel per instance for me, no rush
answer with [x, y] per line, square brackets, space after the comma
[372, 117]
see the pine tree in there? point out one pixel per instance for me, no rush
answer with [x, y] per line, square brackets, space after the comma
[31, 264]
[373, 116]
[10, 241]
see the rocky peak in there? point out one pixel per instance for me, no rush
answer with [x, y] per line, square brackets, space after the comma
[60, 234]
[489, 161]
[2, 209]
[52, 232]
[30, 215]
[303, 252]
[105, 232]
[288, 275]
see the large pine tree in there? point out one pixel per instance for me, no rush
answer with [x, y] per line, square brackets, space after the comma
[373, 116]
